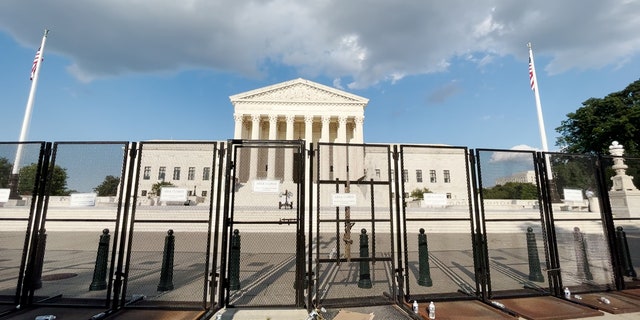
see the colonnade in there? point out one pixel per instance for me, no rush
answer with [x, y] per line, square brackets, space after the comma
[311, 128]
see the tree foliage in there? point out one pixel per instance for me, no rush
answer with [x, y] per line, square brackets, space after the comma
[512, 190]
[418, 193]
[600, 121]
[5, 172]
[108, 187]
[57, 183]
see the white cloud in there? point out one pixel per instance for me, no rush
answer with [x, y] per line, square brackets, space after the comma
[358, 40]
[504, 156]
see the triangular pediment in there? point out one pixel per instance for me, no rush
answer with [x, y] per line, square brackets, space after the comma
[298, 90]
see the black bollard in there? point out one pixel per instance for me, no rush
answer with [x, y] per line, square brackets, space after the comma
[423, 260]
[535, 273]
[623, 253]
[100, 270]
[166, 273]
[36, 281]
[582, 260]
[365, 275]
[234, 261]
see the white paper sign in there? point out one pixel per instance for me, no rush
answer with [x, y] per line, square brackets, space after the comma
[83, 199]
[434, 200]
[4, 195]
[343, 199]
[573, 195]
[267, 186]
[173, 194]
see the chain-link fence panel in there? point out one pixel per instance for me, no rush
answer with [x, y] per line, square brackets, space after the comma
[264, 241]
[622, 183]
[170, 230]
[515, 235]
[580, 231]
[437, 216]
[74, 263]
[19, 168]
[353, 227]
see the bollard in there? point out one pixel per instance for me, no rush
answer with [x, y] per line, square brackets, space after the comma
[100, 270]
[365, 275]
[234, 261]
[423, 260]
[584, 272]
[623, 253]
[535, 273]
[36, 281]
[166, 273]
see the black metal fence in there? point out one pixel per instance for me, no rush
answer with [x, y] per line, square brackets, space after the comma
[249, 223]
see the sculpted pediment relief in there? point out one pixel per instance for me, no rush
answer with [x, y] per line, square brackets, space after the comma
[299, 90]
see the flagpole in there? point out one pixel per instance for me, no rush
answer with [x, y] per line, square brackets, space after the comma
[27, 115]
[534, 87]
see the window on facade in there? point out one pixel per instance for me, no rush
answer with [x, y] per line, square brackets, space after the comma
[448, 195]
[176, 173]
[204, 193]
[206, 173]
[144, 193]
[405, 175]
[147, 173]
[190, 193]
[377, 173]
[191, 175]
[432, 176]
[161, 173]
[447, 176]
[418, 175]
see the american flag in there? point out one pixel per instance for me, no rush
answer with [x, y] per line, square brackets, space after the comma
[35, 64]
[532, 80]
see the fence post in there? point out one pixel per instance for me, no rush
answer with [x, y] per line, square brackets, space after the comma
[423, 260]
[623, 253]
[582, 261]
[535, 274]
[166, 273]
[100, 270]
[234, 261]
[365, 275]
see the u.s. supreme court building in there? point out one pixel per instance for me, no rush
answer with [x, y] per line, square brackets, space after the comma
[301, 110]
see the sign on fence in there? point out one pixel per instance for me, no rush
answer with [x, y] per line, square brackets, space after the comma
[83, 199]
[173, 194]
[343, 199]
[266, 186]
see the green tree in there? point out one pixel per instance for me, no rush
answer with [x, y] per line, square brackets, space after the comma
[108, 187]
[156, 187]
[57, 183]
[511, 190]
[418, 193]
[600, 121]
[5, 172]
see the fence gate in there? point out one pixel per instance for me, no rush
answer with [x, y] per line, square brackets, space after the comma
[169, 231]
[515, 233]
[437, 217]
[263, 238]
[18, 210]
[352, 230]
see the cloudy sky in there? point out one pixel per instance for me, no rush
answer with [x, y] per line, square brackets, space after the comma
[452, 72]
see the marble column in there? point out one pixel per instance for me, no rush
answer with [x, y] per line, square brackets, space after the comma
[255, 135]
[308, 130]
[273, 131]
[237, 132]
[288, 154]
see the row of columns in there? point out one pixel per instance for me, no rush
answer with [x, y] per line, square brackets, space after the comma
[256, 119]
[308, 126]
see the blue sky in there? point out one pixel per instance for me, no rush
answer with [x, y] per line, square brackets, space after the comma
[445, 72]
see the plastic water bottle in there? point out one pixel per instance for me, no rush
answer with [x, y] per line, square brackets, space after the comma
[46, 317]
[567, 293]
[432, 310]
[604, 300]
[416, 309]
